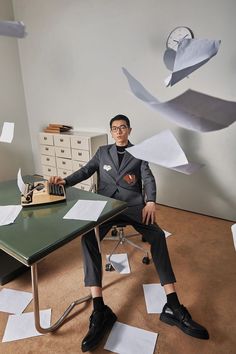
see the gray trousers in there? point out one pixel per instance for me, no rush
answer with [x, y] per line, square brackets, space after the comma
[153, 234]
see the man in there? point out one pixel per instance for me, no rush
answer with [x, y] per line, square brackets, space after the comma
[123, 177]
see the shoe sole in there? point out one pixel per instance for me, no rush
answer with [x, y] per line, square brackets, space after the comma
[109, 327]
[172, 322]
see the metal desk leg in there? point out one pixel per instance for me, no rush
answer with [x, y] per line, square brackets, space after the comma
[56, 325]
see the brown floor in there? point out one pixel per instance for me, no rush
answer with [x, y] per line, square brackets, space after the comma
[203, 257]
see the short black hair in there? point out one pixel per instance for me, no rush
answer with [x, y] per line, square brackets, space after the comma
[120, 117]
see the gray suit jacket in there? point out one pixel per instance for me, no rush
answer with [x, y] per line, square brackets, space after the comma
[125, 182]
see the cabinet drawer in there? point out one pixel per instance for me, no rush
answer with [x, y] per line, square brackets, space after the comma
[63, 152]
[76, 165]
[47, 150]
[65, 164]
[46, 139]
[84, 187]
[80, 142]
[64, 173]
[48, 160]
[81, 155]
[62, 140]
[49, 171]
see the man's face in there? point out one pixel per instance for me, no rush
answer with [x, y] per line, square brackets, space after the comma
[120, 132]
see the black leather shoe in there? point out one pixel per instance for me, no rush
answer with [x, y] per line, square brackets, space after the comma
[100, 323]
[181, 318]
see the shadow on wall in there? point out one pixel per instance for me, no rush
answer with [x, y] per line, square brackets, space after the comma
[212, 179]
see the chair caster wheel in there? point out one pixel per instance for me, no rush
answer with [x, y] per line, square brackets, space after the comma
[109, 267]
[146, 260]
[114, 232]
[143, 239]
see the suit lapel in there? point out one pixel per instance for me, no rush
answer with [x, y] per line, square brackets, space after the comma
[114, 157]
[126, 159]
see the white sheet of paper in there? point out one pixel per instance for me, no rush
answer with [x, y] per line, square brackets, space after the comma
[14, 301]
[164, 150]
[167, 233]
[125, 339]
[191, 110]
[20, 182]
[7, 132]
[233, 228]
[86, 210]
[22, 326]
[12, 29]
[8, 214]
[155, 297]
[191, 54]
[120, 262]
[161, 149]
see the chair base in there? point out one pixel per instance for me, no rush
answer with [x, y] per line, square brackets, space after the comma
[118, 234]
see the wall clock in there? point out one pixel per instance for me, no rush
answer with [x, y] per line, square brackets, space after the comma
[176, 35]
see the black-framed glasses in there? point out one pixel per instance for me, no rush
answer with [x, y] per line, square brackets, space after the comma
[122, 127]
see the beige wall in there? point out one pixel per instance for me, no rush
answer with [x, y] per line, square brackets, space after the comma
[71, 65]
[12, 106]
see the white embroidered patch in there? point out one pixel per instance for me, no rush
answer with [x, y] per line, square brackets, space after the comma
[107, 167]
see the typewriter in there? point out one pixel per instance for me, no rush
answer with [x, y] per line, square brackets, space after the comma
[42, 192]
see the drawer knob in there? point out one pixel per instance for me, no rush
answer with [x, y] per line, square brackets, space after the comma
[63, 151]
[47, 159]
[63, 163]
[64, 173]
[78, 141]
[61, 140]
[49, 169]
[46, 149]
[45, 138]
[79, 153]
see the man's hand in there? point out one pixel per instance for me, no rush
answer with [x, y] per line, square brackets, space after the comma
[149, 213]
[57, 180]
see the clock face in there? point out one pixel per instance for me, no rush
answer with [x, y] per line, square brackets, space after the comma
[178, 34]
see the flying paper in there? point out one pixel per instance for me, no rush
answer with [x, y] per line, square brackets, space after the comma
[191, 110]
[164, 150]
[12, 29]
[191, 54]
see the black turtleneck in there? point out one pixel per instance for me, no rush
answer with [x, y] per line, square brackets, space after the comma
[121, 152]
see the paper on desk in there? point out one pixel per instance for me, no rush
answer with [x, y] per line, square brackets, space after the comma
[233, 228]
[14, 301]
[191, 110]
[7, 132]
[22, 326]
[8, 214]
[86, 210]
[155, 297]
[191, 54]
[164, 150]
[20, 182]
[12, 29]
[125, 339]
[120, 262]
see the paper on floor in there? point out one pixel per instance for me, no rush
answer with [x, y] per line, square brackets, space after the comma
[167, 233]
[125, 339]
[86, 210]
[22, 326]
[8, 214]
[14, 301]
[233, 228]
[155, 297]
[7, 132]
[120, 262]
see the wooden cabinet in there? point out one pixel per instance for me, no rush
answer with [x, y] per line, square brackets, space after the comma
[63, 154]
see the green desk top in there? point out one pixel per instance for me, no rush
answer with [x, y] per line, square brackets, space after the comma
[39, 230]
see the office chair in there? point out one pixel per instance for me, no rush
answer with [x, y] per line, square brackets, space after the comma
[118, 233]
